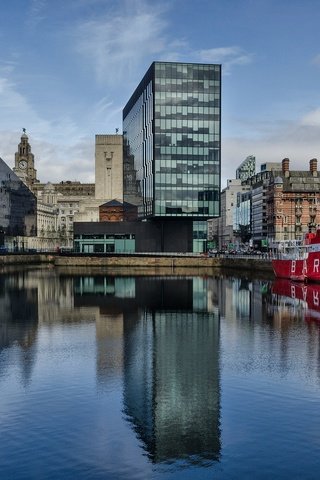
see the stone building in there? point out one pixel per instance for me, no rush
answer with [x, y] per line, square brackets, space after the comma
[57, 203]
[24, 162]
[108, 178]
[293, 202]
[109, 167]
[284, 204]
[60, 204]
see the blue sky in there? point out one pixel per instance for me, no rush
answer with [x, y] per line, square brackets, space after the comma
[68, 67]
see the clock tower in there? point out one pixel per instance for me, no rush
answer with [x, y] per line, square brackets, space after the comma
[24, 162]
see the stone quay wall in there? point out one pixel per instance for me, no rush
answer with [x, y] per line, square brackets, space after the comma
[143, 261]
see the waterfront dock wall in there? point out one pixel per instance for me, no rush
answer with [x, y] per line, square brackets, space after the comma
[143, 261]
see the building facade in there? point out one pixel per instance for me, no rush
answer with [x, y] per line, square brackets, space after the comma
[24, 162]
[293, 202]
[108, 179]
[171, 128]
[109, 167]
[129, 237]
[223, 231]
[18, 213]
[247, 168]
[57, 203]
[275, 204]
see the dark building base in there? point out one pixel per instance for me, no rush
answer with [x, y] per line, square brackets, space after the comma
[148, 236]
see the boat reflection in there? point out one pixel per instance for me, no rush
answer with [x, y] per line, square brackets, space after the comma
[305, 297]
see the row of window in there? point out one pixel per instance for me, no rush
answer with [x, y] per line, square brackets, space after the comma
[165, 101]
[190, 71]
[186, 211]
[189, 123]
[206, 83]
[186, 168]
[104, 236]
[204, 141]
[186, 180]
[193, 153]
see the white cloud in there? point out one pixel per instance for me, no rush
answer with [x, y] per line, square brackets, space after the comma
[56, 143]
[316, 60]
[228, 56]
[116, 44]
[312, 118]
[36, 13]
[119, 44]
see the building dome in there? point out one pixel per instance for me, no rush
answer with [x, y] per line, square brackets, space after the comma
[278, 181]
[48, 188]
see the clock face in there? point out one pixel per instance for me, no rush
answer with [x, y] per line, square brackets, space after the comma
[23, 164]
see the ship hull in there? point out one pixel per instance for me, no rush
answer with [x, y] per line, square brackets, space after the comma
[313, 267]
[291, 269]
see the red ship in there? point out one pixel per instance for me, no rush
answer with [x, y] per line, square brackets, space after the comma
[298, 261]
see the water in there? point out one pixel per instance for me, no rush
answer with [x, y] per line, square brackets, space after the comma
[104, 377]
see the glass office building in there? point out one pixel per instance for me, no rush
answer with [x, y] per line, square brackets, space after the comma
[171, 128]
[18, 212]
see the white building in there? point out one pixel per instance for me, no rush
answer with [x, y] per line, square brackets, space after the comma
[221, 230]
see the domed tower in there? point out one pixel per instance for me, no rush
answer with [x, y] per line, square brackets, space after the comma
[24, 162]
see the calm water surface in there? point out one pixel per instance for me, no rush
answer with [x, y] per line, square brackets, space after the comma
[105, 377]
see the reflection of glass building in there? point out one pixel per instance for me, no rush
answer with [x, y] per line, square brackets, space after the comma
[172, 381]
[159, 333]
[171, 127]
[18, 206]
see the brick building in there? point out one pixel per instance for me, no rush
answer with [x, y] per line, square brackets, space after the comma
[293, 202]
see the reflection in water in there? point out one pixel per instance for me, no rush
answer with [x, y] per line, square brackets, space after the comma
[160, 350]
[171, 390]
[171, 360]
[19, 321]
[299, 296]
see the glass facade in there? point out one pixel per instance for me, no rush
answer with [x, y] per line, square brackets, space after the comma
[247, 168]
[171, 128]
[242, 212]
[18, 212]
[104, 243]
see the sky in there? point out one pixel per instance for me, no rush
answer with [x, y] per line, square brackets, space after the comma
[68, 67]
